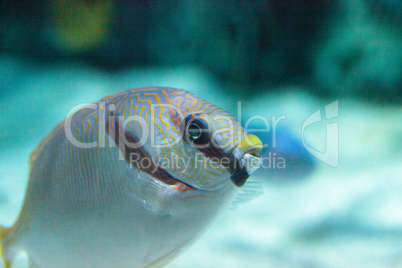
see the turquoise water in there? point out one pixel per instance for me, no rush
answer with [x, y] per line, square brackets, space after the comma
[314, 212]
[352, 209]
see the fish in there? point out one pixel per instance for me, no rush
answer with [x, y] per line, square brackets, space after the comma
[130, 181]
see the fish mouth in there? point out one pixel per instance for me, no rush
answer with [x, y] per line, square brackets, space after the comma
[247, 159]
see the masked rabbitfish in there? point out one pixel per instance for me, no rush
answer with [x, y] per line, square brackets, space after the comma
[129, 181]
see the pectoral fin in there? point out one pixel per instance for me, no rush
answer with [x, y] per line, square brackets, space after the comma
[152, 193]
[250, 191]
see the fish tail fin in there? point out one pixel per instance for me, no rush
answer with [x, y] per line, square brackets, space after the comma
[3, 233]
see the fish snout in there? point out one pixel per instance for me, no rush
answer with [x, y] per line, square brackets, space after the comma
[247, 159]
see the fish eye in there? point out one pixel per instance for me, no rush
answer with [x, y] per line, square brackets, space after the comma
[196, 130]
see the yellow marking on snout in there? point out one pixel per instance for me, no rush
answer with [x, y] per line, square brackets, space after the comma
[250, 141]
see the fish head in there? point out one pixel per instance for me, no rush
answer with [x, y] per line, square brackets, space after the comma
[206, 148]
[173, 135]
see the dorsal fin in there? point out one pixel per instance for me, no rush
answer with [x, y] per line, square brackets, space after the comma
[35, 153]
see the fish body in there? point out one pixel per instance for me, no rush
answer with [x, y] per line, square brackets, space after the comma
[129, 181]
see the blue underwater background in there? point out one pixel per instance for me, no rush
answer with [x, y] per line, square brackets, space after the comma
[280, 60]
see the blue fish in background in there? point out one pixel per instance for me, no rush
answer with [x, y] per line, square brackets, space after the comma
[284, 157]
